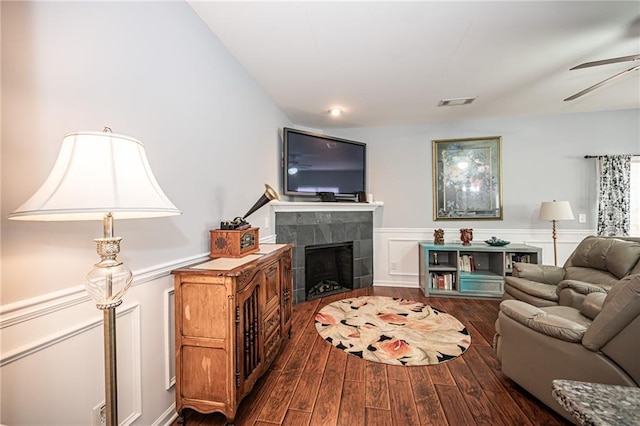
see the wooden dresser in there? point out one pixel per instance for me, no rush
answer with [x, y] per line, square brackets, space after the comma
[231, 316]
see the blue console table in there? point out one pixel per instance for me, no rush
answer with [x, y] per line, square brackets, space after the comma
[474, 270]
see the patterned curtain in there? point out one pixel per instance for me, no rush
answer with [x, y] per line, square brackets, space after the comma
[614, 195]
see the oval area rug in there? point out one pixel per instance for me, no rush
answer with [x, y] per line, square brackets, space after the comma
[392, 330]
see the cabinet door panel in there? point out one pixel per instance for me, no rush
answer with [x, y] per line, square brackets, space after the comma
[286, 276]
[204, 374]
[250, 349]
[205, 311]
[272, 286]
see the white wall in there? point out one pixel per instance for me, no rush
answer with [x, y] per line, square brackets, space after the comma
[153, 71]
[542, 159]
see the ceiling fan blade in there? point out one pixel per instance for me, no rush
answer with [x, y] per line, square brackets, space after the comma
[606, 61]
[595, 86]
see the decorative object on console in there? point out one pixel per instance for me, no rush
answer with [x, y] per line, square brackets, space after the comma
[466, 236]
[327, 197]
[101, 176]
[236, 237]
[240, 222]
[234, 242]
[497, 242]
[554, 211]
[392, 330]
[438, 236]
[467, 179]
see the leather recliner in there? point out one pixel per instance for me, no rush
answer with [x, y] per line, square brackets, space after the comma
[596, 342]
[600, 261]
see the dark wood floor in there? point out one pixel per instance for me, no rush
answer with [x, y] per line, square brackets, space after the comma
[313, 383]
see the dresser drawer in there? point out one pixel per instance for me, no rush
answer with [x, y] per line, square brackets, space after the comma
[481, 286]
[272, 345]
[272, 321]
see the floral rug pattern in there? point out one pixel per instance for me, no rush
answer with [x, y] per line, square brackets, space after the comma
[392, 330]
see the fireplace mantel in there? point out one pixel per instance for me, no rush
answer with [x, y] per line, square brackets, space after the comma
[318, 206]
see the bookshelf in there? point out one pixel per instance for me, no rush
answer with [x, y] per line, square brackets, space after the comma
[477, 270]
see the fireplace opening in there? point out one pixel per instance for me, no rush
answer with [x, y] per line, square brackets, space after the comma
[328, 269]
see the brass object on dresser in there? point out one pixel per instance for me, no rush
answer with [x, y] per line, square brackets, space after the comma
[231, 318]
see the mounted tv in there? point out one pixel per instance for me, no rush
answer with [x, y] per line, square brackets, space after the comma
[315, 163]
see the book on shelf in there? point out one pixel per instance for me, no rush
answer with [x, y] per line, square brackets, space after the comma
[442, 281]
[467, 264]
[511, 258]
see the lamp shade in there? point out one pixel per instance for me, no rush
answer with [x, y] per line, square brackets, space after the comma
[555, 210]
[98, 173]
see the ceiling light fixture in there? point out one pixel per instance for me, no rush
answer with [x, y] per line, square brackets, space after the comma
[336, 112]
[457, 101]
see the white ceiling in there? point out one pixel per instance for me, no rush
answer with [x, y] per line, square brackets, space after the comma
[390, 63]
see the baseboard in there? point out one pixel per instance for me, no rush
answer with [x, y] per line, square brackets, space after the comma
[168, 417]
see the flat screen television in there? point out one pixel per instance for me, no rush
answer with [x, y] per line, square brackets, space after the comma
[315, 163]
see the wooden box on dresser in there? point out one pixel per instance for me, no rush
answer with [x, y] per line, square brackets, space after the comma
[231, 316]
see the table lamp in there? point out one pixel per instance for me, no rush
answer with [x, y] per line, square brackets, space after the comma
[554, 211]
[101, 176]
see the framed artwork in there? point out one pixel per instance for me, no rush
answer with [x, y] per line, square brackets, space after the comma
[467, 179]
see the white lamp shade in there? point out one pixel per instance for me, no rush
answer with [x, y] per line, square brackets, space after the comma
[98, 173]
[555, 210]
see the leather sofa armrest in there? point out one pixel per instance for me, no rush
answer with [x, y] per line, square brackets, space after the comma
[579, 287]
[572, 293]
[543, 322]
[546, 274]
[592, 304]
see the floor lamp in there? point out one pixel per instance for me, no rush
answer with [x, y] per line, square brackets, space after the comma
[554, 211]
[101, 176]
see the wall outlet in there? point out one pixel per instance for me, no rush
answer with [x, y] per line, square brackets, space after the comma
[394, 266]
[99, 413]
[582, 218]
[266, 222]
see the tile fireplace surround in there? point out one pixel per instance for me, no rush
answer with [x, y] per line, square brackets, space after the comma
[310, 223]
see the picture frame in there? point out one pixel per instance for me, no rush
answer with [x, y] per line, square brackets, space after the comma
[467, 179]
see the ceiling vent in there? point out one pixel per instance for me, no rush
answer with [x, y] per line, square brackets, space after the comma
[456, 101]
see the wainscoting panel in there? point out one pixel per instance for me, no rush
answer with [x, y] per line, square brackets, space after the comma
[396, 249]
[169, 338]
[402, 256]
[61, 363]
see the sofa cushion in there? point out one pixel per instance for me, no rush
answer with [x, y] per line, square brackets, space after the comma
[539, 290]
[547, 274]
[615, 256]
[568, 313]
[512, 293]
[559, 322]
[591, 275]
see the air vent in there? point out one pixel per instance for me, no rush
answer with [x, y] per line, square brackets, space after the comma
[456, 101]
